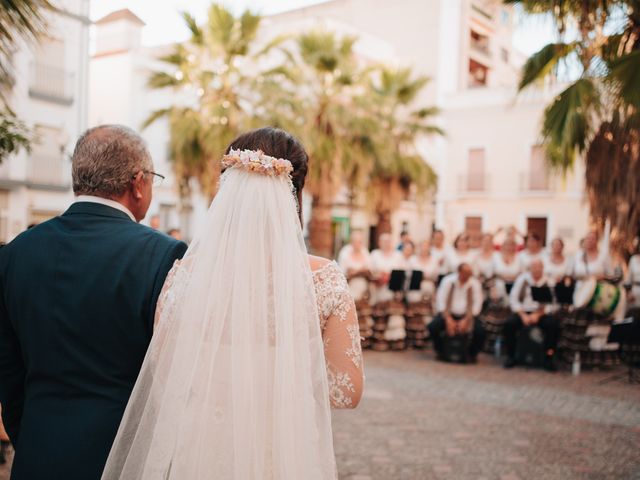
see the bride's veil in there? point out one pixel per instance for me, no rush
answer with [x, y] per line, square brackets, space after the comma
[234, 382]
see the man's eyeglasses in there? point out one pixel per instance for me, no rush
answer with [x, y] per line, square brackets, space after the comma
[157, 178]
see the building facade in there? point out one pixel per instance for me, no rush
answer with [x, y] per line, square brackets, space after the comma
[50, 95]
[490, 165]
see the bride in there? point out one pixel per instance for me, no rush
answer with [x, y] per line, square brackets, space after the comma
[254, 339]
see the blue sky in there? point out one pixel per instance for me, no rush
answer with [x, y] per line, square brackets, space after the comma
[164, 24]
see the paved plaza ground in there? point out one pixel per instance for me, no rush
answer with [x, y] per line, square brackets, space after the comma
[421, 419]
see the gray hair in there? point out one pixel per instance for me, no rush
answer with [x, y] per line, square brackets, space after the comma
[105, 160]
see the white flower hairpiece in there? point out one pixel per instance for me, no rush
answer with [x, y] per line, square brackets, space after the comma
[258, 162]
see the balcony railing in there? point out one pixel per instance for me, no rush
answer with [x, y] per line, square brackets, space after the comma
[536, 181]
[46, 169]
[51, 84]
[473, 184]
[483, 11]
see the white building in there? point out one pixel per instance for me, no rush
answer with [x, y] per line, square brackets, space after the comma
[50, 95]
[490, 167]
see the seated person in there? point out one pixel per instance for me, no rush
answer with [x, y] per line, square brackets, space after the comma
[528, 312]
[458, 302]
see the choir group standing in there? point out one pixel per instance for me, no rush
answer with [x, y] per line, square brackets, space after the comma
[488, 292]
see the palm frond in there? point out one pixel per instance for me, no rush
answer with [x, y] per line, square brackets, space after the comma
[567, 122]
[197, 35]
[625, 74]
[163, 80]
[544, 62]
[155, 116]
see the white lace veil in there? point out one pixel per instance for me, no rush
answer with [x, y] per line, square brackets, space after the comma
[234, 383]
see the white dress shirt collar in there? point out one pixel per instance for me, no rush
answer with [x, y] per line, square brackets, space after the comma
[107, 202]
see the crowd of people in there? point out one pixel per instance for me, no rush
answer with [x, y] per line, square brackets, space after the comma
[485, 290]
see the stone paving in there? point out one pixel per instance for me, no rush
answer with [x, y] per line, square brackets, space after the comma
[421, 419]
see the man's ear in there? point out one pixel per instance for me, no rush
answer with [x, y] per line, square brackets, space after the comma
[136, 185]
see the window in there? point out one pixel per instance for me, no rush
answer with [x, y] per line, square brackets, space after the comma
[46, 162]
[476, 176]
[478, 74]
[49, 79]
[479, 42]
[537, 178]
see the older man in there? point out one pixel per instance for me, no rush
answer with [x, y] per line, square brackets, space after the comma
[528, 312]
[459, 302]
[77, 302]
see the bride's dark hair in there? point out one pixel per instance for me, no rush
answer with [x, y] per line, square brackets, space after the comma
[279, 144]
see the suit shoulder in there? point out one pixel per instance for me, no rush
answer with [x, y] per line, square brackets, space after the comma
[159, 239]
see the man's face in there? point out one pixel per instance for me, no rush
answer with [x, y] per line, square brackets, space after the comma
[464, 273]
[537, 269]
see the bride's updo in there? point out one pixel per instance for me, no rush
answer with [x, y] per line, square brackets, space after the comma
[279, 144]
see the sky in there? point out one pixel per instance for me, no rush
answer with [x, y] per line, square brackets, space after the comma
[164, 24]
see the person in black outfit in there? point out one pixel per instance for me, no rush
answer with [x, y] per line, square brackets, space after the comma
[528, 312]
[77, 303]
[458, 301]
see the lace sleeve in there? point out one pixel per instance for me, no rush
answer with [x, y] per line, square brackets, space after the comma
[341, 336]
[164, 297]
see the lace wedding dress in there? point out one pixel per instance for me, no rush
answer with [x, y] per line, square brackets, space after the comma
[250, 350]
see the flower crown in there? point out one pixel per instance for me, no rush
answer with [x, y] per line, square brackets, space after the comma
[258, 162]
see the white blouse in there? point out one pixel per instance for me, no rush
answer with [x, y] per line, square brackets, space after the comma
[382, 263]
[485, 267]
[455, 258]
[430, 269]
[439, 256]
[507, 271]
[598, 267]
[556, 271]
[525, 258]
[348, 261]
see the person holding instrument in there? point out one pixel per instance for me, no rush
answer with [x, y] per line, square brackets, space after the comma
[527, 312]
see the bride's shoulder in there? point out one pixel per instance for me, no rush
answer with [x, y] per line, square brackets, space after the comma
[319, 263]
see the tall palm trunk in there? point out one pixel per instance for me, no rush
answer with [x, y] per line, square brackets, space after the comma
[320, 232]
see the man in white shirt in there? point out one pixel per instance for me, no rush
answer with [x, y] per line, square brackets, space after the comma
[458, 302]
[527, 313]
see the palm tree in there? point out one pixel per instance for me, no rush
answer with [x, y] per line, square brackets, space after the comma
[598, 114]
[331, 122]
[398, 168]
[18, 19]
[214, 71]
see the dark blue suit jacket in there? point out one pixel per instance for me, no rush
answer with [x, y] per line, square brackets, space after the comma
[77, 302]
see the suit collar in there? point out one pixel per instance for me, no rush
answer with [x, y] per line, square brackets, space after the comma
[92, 208]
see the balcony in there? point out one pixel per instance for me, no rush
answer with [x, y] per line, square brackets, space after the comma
[51, 84]
[478, 75]
[473, 184]
[46, 170]
[534, 182]
[479, 45]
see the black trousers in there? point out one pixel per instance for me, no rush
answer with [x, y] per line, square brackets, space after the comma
[437, 328]
[549, 325]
